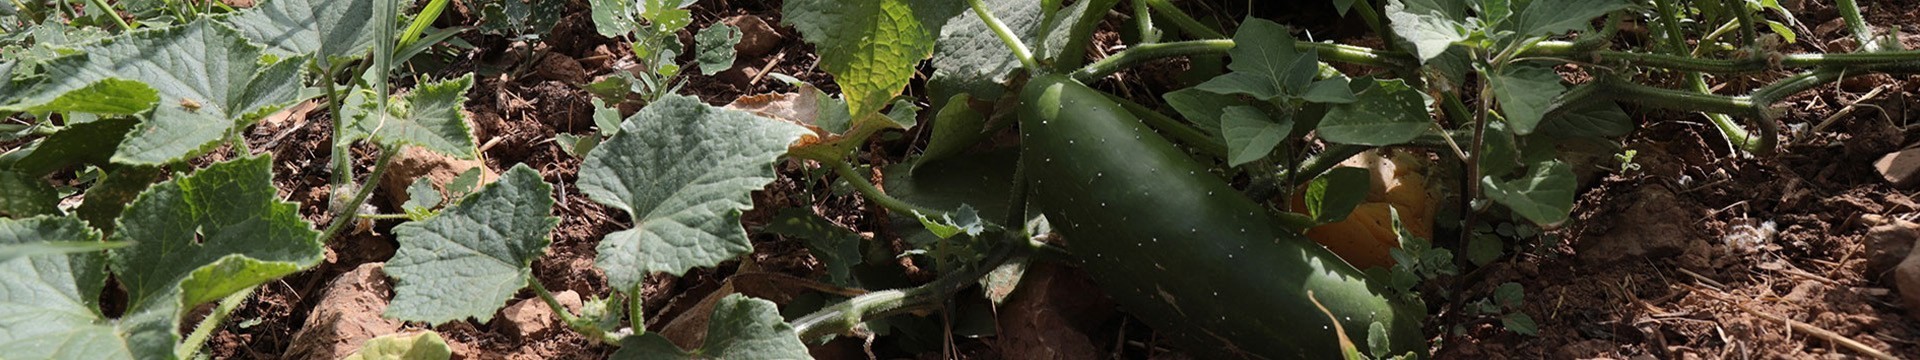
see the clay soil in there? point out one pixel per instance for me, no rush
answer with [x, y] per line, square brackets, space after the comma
[1642, 271]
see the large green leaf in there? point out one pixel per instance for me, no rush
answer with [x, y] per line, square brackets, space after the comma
[1387, 113]
[428, 117]
[1265, 64]
[196, 238]
[1544, 195]
[209, 80]
[1431, 26]
[683, 170]
[871, 47]
[1251, 133]
[209, 234]
[519, 17]
[23, 195]
[49, 303]
[328, 29]
[968, 58]
[1554, 17]
[470, 259]
[83, 143]
[741, 328]
[1524, 92]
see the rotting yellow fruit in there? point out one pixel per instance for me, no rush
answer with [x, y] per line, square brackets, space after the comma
[1366, 238]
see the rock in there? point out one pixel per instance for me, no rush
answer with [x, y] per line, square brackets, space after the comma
[1888, 242]
[562, 68]
[347, 315]
[756, 37]
[414, 162]
[1906, 279]
[1051, 314]
[531, 318]
[1900, 167]
[1872, 137]
[1656, 225]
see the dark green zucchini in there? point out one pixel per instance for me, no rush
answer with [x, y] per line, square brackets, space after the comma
[1179, 248]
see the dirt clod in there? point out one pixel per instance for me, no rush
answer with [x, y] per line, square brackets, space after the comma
[1051, 314]
[347, 315]
[1655, 225]
[1902, 168]
[414, 162]
[756, 37]
[562, 68]
[530, 318]
[1906, 279]
[1888, 242]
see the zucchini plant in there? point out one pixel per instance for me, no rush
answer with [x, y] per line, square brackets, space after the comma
[1146, 200]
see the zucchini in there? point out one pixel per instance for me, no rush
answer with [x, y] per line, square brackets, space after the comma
[1177, 247]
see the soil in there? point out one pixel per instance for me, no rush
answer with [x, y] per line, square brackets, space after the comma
[1642, 271]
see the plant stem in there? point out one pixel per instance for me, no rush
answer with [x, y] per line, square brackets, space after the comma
[345, 214]
[1020, 50]
[383, 216]
[342, 163]
[207, 325]
[1749, 29]
[1142, 17]
[1187, 24]
[1081, 34]
[865, 187]
[1187, 134]
[1677, 99]
[846, 315]
[1850, 11]
[1149, 52]
[636, 311]
[1318, 164]
[115, 14]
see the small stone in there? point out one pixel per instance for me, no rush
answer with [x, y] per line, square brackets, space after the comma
[1900, 167]
[414, 162]
[1656, 225]
[756, 37]
[1888, 242]
[1906, 279]
[528, 318]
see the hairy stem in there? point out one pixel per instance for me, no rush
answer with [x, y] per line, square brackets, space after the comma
[1143, 18]
[1020, 50]
[345, 214]
[204, 330]
[860, 183]
[1850, 11]
[847, 315]
[1187, 24]
[1081, 34]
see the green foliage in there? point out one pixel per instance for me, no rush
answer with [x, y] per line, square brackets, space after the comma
[870, 47]
[1387, 113]
[714, 48]
[428, 117]
[519, 18]
[424, 345]
[837, 247]
[1265, 64]
[1251, 133]
[332, 31]
[741, 328]
[469, 260]
[26, 195]
[1331, 197]
[699, 166]
[1543, 195]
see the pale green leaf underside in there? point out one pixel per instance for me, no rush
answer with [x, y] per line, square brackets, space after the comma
[1554, 17]
[1387, 113]
[1429, 25]
[1544, 195]
[684, 171]
[104, 97]
[470, 259]
[426, 345]
[870, 47]
[432, 119]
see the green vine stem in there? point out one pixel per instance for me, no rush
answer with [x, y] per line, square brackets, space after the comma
[1020, 50]
[346, 213]
[847, 315]
[1148, 52]
[1187, 24]
[1143, 18]
[204, 330]
[1850, 10]
[567, 317]
[1749, 31]
[866, 188]
[1081, 34]
[115, 14]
